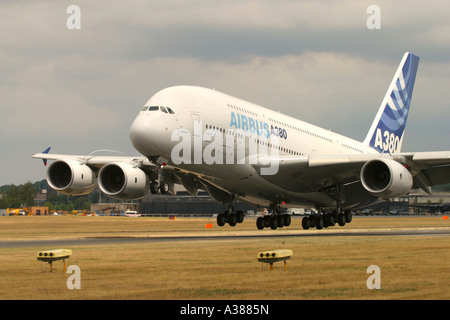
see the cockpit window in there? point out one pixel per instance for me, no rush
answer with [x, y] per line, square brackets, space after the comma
[156, 108]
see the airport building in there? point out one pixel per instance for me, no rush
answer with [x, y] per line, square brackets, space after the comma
[185, 204]
[114, 209]
[182, 204]
[202, 204]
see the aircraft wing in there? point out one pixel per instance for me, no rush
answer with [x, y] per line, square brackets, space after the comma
[314, 173]
[189, 180]
[429, 168]
[97, 161]
[300, 174]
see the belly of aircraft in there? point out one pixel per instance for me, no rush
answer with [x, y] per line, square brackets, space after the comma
[243, 182]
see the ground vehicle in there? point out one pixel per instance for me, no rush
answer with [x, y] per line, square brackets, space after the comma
[17, 211]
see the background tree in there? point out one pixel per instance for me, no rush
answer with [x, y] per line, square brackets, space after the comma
[27, 192]
[18, 196]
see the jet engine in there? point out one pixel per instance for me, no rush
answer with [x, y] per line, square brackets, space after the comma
[386, 178]
[123, 181]
[71, 177]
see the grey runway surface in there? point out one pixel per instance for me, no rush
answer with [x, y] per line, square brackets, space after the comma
[126, 240]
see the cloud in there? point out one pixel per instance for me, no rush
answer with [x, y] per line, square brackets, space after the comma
[315, 60]
[41, 103]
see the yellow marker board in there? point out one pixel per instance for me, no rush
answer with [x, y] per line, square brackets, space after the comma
[274, 256]
[53, 255]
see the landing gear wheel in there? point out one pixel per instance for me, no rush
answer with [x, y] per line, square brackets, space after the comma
[312, 221]
[306, 223]
[232, 220]
[221, 220]
[280, 221]
[329, 221]
[164, 188]
[341, 219]
[319, 222]
[260, 223]
[273, 222]
[266, 221]
[287, 220]
[348, 216]
[154, 186]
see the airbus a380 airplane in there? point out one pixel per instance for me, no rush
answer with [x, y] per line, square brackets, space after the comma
[234, 149]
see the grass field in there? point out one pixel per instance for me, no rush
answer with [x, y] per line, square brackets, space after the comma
[332, 267]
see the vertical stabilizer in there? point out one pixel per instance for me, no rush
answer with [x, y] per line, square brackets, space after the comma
[387, 130]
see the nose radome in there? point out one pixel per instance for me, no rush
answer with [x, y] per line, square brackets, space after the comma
[140, 133]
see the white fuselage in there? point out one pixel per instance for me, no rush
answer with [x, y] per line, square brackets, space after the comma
[214, 123]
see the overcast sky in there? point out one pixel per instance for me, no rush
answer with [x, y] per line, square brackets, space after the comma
[79, 90]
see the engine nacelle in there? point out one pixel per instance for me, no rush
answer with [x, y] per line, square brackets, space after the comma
[71, 177]
[123, 181]
[386, 178]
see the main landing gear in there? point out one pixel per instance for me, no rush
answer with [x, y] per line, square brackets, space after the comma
[230, 216]
[323, 220]
[275, 220]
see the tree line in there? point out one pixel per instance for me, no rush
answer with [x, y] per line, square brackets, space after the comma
[18, 196]
[13, 196]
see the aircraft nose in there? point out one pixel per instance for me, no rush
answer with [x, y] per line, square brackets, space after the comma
[140, 133]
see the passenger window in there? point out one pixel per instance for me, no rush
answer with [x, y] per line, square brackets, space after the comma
[163, 109]
[145, 108]
[152, 108]
[170, 110]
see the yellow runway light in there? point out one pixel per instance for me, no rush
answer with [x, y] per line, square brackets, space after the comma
[54, 255]
[274, 256]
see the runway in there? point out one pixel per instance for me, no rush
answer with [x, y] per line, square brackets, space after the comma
[237, 236]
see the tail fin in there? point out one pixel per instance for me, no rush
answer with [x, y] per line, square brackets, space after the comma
[387, 130]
